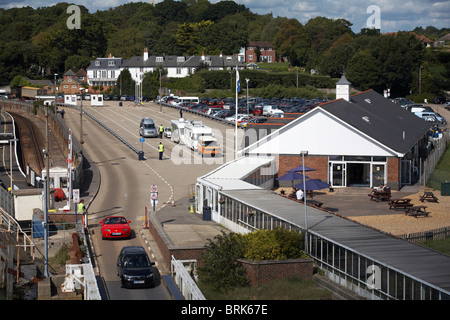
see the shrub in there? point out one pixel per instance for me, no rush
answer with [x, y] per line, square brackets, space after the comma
[278, 244]
[220, 269]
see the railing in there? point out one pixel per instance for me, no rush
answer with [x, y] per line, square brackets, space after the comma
[184, 281]
[22, 239]
[78, 275]
[435, 155]
[436, 234]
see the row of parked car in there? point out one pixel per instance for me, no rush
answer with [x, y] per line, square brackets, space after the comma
[224, 108]
[425, 112]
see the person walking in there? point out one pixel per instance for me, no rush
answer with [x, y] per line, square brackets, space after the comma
[161, 150]
[181, 113]
[161, 131]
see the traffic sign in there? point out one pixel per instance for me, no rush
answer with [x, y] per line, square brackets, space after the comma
[76, 195]
[153, 189]
[154, 195]
[141, 139]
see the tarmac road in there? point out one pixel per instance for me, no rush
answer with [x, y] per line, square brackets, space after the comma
[125, 183]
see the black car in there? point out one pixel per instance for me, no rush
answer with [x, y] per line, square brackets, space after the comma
[135, 268]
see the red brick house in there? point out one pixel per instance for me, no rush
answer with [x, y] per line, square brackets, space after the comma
[260, 51]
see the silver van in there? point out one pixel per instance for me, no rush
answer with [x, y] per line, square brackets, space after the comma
[147, 128]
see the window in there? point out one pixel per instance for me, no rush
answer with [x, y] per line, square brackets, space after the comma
[250, 48]
[111, 63]
[250, 57]
[97, 63]
[159, 59]
[178, 70]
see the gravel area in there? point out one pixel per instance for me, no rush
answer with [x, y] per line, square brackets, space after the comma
[399, 223]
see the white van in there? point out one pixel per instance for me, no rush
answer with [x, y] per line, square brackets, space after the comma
[267, 108]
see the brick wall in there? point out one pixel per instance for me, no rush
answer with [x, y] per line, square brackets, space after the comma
[260, 272]
[287, 162]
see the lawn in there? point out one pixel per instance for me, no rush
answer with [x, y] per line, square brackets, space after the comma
[441, 173]
[293, 288]
[439, 245]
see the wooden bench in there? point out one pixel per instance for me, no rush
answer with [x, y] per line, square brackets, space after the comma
[429, 196]
[380, 195]
[403, 203]
[417, 211]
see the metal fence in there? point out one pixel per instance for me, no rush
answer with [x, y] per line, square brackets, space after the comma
[436, 234]
[184, 281]
[433, 158]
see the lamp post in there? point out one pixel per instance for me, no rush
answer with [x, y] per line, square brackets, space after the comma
[303, 153]
[247, 80]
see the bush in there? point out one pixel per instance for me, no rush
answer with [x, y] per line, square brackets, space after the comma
[220, 269]
[278, 244]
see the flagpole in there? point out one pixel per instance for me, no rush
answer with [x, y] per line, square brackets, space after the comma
[236, 113]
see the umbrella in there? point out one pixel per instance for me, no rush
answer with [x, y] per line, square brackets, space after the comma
[292, 175]
[300, 168]
[312, 184]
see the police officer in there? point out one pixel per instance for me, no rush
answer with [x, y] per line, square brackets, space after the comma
[161, 150]
[161, 130]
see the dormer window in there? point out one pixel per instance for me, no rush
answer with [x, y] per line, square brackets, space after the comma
[181, 59]
[97, 63]
[159, 59]
[111, 63]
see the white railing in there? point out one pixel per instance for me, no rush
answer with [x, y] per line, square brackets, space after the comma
[22, 239]
[184, 281]
[78, 275]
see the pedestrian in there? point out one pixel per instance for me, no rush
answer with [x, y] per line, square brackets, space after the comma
[161, 150]
[161, 130]
[181, 113]
[299, 194]
[81, 208]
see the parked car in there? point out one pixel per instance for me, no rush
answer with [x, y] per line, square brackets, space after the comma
[135, 268]
[115, 227]
[167, 132]
[255, 120]
[447, 105]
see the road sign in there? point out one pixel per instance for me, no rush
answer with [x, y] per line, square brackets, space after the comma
[153, 189]
[141, 139]
[154, 195]
[76, 195]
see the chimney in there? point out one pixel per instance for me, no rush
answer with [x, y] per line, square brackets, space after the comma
[203, 56]
[343, 88]
[145, 54]
[221, 54]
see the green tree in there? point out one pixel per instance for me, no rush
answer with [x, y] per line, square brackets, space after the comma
[290, 32]
[220, 268]
[125, 84]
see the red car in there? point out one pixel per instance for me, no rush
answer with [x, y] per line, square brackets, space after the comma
[115, 227]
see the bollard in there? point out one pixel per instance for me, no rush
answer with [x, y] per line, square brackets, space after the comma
[192, 209]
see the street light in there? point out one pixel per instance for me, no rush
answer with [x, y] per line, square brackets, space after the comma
[247, 80]
[303, 153]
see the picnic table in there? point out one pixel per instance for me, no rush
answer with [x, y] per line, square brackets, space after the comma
[416, 211]
[400, 203]
[429, 196]
[380, 195]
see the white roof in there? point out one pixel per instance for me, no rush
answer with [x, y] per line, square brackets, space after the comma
[230, 175]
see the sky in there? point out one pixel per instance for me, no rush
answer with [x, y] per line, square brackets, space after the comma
[387, 15]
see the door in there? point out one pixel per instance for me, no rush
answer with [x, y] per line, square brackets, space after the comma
[378, 175]
[338, 174]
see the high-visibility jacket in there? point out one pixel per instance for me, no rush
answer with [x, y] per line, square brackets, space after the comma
[161, 129]
[161, 148]
[80, 208]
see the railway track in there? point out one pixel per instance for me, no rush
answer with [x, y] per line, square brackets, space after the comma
[30, 147]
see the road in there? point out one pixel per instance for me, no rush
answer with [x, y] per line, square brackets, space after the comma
[125, 181]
